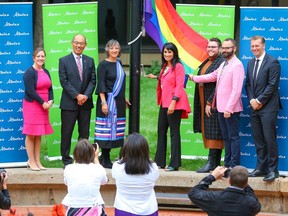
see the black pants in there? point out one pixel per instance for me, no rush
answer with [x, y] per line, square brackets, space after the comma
[264, 134]
[173, 122]
[68, 120]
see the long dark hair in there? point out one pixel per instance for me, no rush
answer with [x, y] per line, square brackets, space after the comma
[135, 155]
[173, 48]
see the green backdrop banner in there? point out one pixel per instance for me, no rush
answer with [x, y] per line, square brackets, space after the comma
[209, 21]
[60, 23]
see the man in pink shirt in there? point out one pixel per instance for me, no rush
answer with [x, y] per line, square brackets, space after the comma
[229, 77]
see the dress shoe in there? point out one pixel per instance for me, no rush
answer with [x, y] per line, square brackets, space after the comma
[271, 176]
[257, 173]
[161, 167]
[170, 169]
[41, 167]
[29, 167]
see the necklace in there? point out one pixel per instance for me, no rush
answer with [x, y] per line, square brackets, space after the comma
[165, 70]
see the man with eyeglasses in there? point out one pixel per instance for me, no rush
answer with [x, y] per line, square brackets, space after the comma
[262, 82]
[229, 77]
[78, 79]
[205, 119]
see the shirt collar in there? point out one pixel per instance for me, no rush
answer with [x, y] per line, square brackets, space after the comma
[262, 56]
[241, 189]
[75, 56]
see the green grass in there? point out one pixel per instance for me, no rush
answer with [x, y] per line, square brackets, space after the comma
[148, 126]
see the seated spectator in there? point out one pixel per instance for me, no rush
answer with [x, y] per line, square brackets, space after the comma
[237, 200]
[5, 202]
[135, 176]
[83, 179]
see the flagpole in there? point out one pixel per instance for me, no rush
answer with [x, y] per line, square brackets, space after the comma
[135, 50]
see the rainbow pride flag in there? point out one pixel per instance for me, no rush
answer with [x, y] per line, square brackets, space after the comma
[163, 24]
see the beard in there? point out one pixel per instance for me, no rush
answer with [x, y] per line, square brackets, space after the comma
[227, 54]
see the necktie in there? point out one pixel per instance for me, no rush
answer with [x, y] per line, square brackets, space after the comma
[225, 63]
[255, 72]
[79, 66]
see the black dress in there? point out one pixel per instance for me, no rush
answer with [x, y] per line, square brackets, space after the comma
[106, 75]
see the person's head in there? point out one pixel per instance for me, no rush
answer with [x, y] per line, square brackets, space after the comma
[113, 49]
[109, 12]
[170, 54]
[84, 152]
[79, 44]
[238, 177]
[229, 48]
[257, 45]
[214, 47]
[135, 155]
[39, 56]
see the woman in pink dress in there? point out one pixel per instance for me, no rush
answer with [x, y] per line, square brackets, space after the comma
[38, 99]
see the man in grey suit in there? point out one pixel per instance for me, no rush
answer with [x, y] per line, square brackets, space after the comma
[78, 79]
[262, 82]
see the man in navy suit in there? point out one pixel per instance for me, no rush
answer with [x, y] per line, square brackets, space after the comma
[238, 199]
[262, 82]
[78, 80]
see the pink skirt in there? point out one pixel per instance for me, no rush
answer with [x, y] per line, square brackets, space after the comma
[35, 118]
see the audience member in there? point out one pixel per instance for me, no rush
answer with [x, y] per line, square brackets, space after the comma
[38, 99]
[83, 179]
[174, 105]
[111, 103]
[238, 199]
[205, 119]
[5, 202]
[135, 176]
[229, 76]
[262, 83]
[78, 80]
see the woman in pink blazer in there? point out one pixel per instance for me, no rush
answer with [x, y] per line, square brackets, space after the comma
[174, 105]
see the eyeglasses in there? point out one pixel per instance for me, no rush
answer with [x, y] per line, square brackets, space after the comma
[227, 48]
[79, 43]
[212, 47]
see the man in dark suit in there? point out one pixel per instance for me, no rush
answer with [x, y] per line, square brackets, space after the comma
[78, 80]
[262, 82]
[237, 200]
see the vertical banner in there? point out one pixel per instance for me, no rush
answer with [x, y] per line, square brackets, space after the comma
[272, 23]
[209, 21]
[60, 23]
[16, 45]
